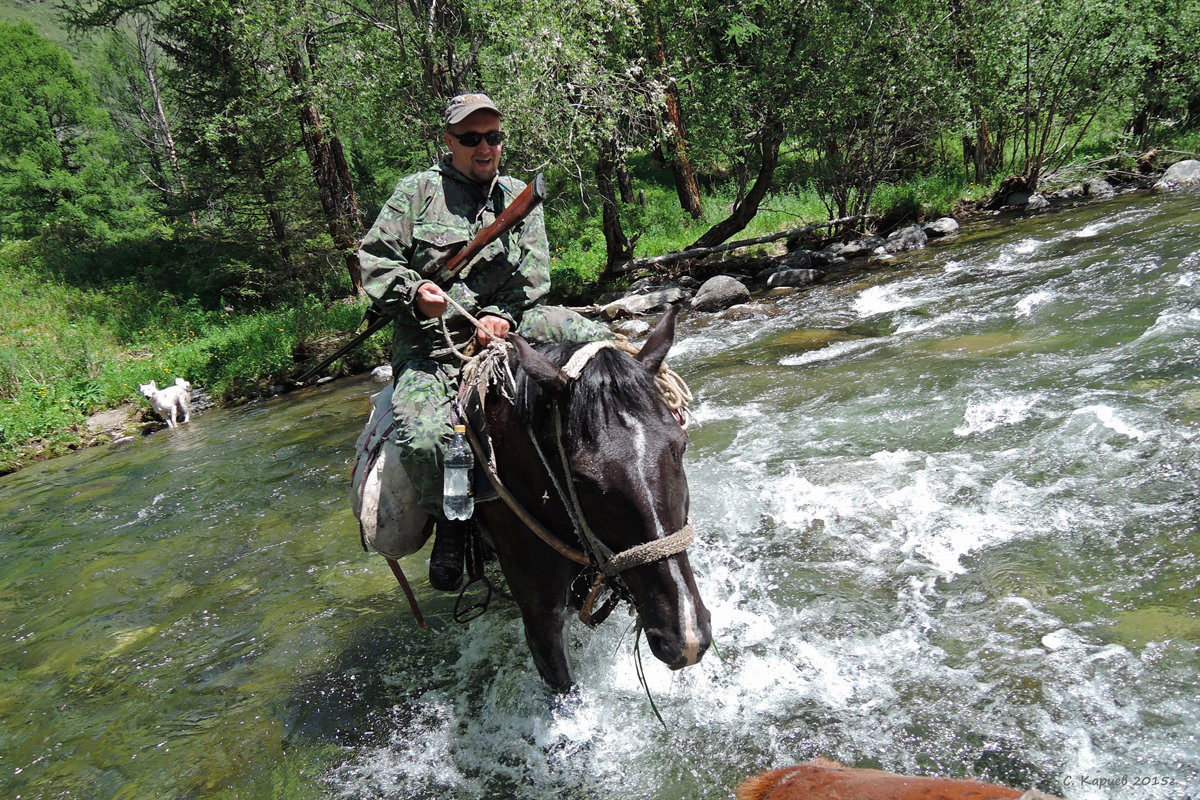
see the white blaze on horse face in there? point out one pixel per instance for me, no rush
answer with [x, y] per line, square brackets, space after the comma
[687, 617]
[689, 621]
[639, 460]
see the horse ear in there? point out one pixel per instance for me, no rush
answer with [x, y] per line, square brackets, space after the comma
[540, 368]
[659, 342]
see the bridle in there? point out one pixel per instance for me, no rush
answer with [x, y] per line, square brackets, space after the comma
[608, 565]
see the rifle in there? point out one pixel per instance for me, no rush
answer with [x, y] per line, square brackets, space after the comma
[519, 209]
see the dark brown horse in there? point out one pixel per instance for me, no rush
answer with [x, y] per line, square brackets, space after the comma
[591, 454]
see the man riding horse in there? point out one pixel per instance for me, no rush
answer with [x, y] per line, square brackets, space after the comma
[430, 216]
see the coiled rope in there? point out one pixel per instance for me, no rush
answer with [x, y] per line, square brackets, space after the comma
[671, 387]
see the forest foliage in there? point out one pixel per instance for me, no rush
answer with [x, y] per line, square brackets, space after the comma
[232, 151]
[224, 156]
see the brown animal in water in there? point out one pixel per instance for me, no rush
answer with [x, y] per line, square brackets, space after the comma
[828, 780]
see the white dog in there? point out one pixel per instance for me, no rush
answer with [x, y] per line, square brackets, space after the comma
[170, 401]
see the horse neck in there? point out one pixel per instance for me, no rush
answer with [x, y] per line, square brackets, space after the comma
[518, 463]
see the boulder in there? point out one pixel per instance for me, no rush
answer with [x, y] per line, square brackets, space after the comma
[943, 226]
[798, 259]
[1070, 192]
[828, 255]
[1037, 203]
[632, 328]
[860, 247]
[644, 285]
[905, 239]
[1100, 189]
[720, 292]
[637, 304]
[794, 277]
[1181, 173]
[382, 373]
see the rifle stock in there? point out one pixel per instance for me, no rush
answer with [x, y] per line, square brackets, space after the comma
[525, 202]
[518, 210]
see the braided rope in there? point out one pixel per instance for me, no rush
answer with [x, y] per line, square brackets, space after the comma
[649, 552]
[579, 359]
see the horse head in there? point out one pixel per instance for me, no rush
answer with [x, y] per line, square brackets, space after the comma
[623, 448]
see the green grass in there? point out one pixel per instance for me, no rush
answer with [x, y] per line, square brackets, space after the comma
[928, 196]
[577, 246]
[67, 352]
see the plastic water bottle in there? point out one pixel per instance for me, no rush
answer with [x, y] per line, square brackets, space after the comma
[457, 502]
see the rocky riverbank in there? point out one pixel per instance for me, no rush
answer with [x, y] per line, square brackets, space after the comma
[735, 282]
[731, 286]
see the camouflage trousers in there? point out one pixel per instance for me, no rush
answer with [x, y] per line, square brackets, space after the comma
[424, 391]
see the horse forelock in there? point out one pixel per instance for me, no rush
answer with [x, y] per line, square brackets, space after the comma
[611, 384]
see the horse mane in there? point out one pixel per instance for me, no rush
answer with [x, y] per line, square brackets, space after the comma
[612, 383]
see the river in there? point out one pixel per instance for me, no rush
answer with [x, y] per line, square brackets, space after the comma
[947, 523]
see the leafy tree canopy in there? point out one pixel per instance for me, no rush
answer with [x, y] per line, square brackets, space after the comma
[59, 171]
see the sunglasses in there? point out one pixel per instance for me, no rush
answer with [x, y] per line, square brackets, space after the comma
[473, 138]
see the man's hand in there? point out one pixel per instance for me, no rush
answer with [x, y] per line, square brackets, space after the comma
[491, 327]
[431, 300]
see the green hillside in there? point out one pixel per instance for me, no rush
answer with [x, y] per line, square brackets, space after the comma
[43, 16]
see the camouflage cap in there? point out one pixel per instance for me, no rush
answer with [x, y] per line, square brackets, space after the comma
[464, 105]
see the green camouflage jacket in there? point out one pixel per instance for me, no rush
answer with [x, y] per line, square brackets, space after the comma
[429, 216]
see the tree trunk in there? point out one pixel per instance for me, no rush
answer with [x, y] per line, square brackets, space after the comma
[681, 166]
[164, 125]
[983, 151]
[270, 201]
[625, 182]
[618, 247]
[330, 171]
[744, 211]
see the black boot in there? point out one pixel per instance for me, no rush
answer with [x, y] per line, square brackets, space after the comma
[446, 560]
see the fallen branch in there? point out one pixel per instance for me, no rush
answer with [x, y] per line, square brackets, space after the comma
[702, 252]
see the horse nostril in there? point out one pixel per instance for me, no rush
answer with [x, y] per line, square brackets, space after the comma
[675, 651]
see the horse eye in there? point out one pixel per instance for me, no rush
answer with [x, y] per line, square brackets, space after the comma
[578, 478]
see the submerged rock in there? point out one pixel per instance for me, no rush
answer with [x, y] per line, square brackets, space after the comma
[811, 338]
[744, 311]
[794, 277]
